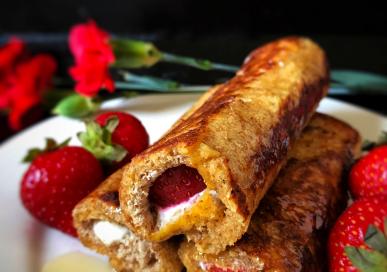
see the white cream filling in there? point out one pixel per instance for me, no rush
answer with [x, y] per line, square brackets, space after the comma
[109, 232]
[171, 214]
[203, 266]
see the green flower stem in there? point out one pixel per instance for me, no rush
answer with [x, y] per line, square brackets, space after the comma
[197, 63]
[148, 83]
[137, 54]
[342, 89]
[358, 82]
[142, 89]
[68, 103]
[193, 88]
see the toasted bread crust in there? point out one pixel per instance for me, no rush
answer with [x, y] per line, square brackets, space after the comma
[288, 230]
[130, 253]
[237, 138]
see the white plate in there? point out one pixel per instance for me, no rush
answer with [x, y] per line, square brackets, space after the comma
[25, 244]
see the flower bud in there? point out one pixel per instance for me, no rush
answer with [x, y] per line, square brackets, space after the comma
[134, 54]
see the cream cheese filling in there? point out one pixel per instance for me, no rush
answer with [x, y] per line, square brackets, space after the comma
[109, 232]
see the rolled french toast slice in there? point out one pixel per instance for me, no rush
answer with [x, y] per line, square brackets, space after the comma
[206, 176]
[289, 229]
[100, 227]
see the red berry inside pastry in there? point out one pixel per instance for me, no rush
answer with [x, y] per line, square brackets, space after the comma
[176, 185]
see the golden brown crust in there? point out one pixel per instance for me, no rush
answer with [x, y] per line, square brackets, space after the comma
[130, 253]
[237, 138]
[287, 232]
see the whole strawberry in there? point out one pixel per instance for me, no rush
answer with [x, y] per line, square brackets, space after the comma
[357, 241]
[368, 177]
[115, 138]
[57, 179]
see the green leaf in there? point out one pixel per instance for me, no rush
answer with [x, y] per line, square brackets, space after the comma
[98, 140]
[134, 54]
[376, 240]
[359, 80]
[150, 82]
[365, 260]
[76, 106]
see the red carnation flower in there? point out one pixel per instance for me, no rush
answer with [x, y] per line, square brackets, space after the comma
[22, 90]
[93, 55]
[9, 53]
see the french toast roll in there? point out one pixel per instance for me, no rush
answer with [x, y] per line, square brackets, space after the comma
[100, 226]
[289, 229]
[206, 176]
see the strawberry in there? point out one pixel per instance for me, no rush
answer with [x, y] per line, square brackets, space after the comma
[357, 242]
[368, 177]
[129, 133]
[176, 185]
[115, 137]
[57, 179]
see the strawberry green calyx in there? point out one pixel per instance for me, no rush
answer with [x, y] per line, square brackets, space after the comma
[98, 140]
[373, 259]
[367, 261]
[51, 145]
[376, 239]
